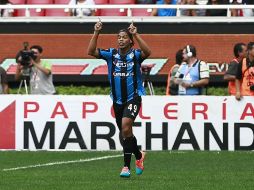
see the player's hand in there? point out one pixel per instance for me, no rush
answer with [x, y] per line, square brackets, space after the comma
[238, 96]
[98, 26]
[132, 29]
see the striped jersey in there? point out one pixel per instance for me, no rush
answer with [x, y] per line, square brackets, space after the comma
[124, 74]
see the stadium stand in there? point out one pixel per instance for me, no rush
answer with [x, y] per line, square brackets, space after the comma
[120, 8]
[141, 12]
[58, 12]
[61, 1]
[122, 2]
[113, 12]
[116, 12]
[33, 12]
[18, 2]
[100, 2]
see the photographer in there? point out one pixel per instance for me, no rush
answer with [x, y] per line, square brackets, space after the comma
[39, 71]
[244, 82]
[193, 75]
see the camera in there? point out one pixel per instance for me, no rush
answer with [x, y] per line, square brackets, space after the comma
[26, 55]
[146, 69]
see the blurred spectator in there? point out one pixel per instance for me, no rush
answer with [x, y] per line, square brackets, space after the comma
[244, 82]
[82, 12]
[4, 89]
[193, 75]
[240, 52]
[248, 12]
[172, 88]
[236, 12]
[216, 12]
[145, 1]
[165, 12]
[6, 12]
[202, 2]
[192, 12]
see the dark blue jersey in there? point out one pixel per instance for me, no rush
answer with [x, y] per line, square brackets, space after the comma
[124, 74]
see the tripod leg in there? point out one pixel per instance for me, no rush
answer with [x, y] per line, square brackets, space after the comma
[26, 86]
[149, 87]
[20, 85]
[151, 84]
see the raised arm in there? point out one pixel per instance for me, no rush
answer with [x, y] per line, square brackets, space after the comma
[92, 47]
[145, 50]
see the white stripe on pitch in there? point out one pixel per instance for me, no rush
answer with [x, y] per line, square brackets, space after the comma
[61, 163]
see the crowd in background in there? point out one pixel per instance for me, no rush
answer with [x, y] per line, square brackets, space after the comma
[159, 12]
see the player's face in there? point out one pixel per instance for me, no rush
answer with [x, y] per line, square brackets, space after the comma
[123, 40]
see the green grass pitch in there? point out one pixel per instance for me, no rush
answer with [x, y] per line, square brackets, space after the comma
[163, 170]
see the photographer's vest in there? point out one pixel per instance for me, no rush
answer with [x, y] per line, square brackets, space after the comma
[247, 79]
[191, 74]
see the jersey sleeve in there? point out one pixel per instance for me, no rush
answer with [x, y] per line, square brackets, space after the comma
[105, 54]
[138, 56]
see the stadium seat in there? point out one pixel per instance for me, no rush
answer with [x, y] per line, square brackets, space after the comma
[116, 12]
[99, 2]
[141, 12]
[113, 12]
[122, 2]
[62, 1]
[58, 12]
[40, 2]
[18, 2]
[34, 12]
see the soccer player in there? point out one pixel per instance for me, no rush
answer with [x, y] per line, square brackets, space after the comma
[124, 74]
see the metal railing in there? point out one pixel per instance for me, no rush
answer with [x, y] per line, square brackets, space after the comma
[129, 9]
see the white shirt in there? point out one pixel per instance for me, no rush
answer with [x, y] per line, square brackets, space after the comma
[7, 12]
[84, 12]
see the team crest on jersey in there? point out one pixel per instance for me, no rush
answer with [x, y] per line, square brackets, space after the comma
[131, 55]
[117, 56]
